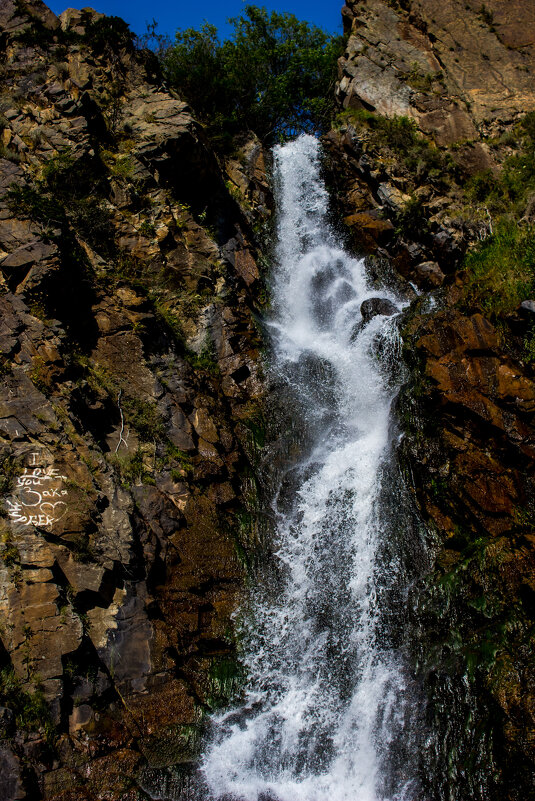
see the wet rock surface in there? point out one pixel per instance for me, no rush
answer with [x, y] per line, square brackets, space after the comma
[374, 306]
[460, 72]
[469, 454]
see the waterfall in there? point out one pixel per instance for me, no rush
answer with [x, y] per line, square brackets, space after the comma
[327, 697]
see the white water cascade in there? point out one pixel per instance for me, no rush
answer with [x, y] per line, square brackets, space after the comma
[326, 698]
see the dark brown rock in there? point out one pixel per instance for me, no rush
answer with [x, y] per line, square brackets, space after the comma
[377, 306]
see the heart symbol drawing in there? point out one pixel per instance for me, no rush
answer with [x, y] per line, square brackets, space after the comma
[55, 510]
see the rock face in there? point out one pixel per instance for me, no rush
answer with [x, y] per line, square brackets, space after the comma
[461, 73]
[452, 66]
[130, 383]
[469, 446]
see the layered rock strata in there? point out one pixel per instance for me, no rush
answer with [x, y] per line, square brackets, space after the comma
[128, 406]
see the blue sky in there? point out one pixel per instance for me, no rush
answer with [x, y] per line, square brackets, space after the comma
[183, 14]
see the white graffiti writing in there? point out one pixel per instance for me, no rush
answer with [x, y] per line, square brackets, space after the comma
[40, 498]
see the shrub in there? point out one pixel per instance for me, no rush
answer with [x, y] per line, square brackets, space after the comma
[108, 34]
[67, 192]
[144, 417]
[508, 192]
[30, 709]
[35, 204]
[131, 468]
[410, 220]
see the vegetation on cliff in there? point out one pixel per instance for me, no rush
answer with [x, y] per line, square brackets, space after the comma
[275, 76]
[500, 271]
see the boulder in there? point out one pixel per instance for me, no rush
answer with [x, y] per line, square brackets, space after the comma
[430, 274]
[527, 308]
[372, 307]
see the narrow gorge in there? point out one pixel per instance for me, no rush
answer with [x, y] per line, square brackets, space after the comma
[266, 421]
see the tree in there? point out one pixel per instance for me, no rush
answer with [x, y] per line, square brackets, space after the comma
[274, 76]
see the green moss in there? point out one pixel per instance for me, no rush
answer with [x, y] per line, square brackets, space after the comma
[225, 677]
[253, 418]
[205, 360]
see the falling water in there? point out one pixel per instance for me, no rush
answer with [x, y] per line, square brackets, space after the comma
[327, 697]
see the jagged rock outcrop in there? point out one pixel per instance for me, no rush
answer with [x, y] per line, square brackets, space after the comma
[130, 381]
[452, 66]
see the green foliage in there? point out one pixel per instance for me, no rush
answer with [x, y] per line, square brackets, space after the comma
[500, 271]
[122, 167]
[529, 348]
[528, 127]
[410, 221]
[176, 458]
[9, 470]
[171, 321]
[422, 82]
[34, 204]
[108, 34]
[30, 708]
[147, 229]
[67, 191]
[400, 135]
[144, 417]
[274, 76]
[8, 153]
[508, 192]
[40, 376]
[92, 222]
[9, 553]
[205, 360]
[131, 468]
[141, 415]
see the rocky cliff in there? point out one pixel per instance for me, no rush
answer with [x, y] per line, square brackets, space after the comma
[462, 72]
[128, 409]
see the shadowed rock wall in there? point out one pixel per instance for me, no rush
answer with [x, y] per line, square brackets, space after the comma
[128, 406]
